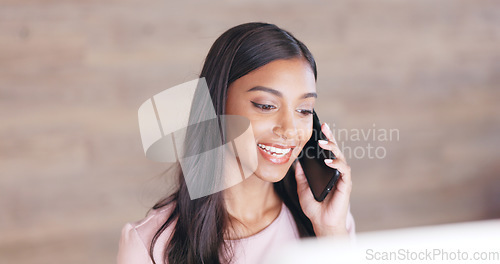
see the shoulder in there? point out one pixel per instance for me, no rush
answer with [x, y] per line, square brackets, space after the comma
[136, 237]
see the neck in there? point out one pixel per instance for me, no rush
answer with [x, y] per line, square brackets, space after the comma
[251, 200]
[251, 206]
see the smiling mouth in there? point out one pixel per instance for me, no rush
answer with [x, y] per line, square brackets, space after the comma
[273, 151]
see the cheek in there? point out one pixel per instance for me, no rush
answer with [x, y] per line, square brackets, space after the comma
[304, 134]
[262, 128]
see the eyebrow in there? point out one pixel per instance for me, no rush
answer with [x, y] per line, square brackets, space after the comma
[278, 93]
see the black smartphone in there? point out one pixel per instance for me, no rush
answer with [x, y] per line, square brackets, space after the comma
[321, 178]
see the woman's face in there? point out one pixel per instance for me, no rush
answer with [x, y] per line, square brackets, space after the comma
[278, 99]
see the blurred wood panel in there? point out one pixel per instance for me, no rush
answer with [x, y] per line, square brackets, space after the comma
[73, 74]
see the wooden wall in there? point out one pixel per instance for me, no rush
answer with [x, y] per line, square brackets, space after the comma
[74, 73]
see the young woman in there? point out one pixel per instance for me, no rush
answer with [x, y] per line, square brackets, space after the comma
[263, 73]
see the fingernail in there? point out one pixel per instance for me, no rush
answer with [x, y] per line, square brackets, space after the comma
[322, 142]
[328, 161]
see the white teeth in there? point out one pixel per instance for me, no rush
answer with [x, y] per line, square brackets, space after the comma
[278, 152]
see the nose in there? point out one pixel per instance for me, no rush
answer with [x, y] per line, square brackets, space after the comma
[286, 126]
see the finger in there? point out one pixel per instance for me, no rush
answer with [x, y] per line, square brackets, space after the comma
[341, 166]
[299, 173]
[328, 133]
[345, 182]
[329, 145]
[303, 189]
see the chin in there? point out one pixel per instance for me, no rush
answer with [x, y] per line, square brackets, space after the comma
[268, 176]
[272, 172]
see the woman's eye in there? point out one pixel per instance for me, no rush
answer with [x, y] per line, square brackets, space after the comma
[305, 112]
[264, 107]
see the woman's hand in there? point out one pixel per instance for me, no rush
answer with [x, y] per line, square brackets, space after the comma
[328, 217]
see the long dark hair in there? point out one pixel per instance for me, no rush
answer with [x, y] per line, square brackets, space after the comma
[198, 235]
